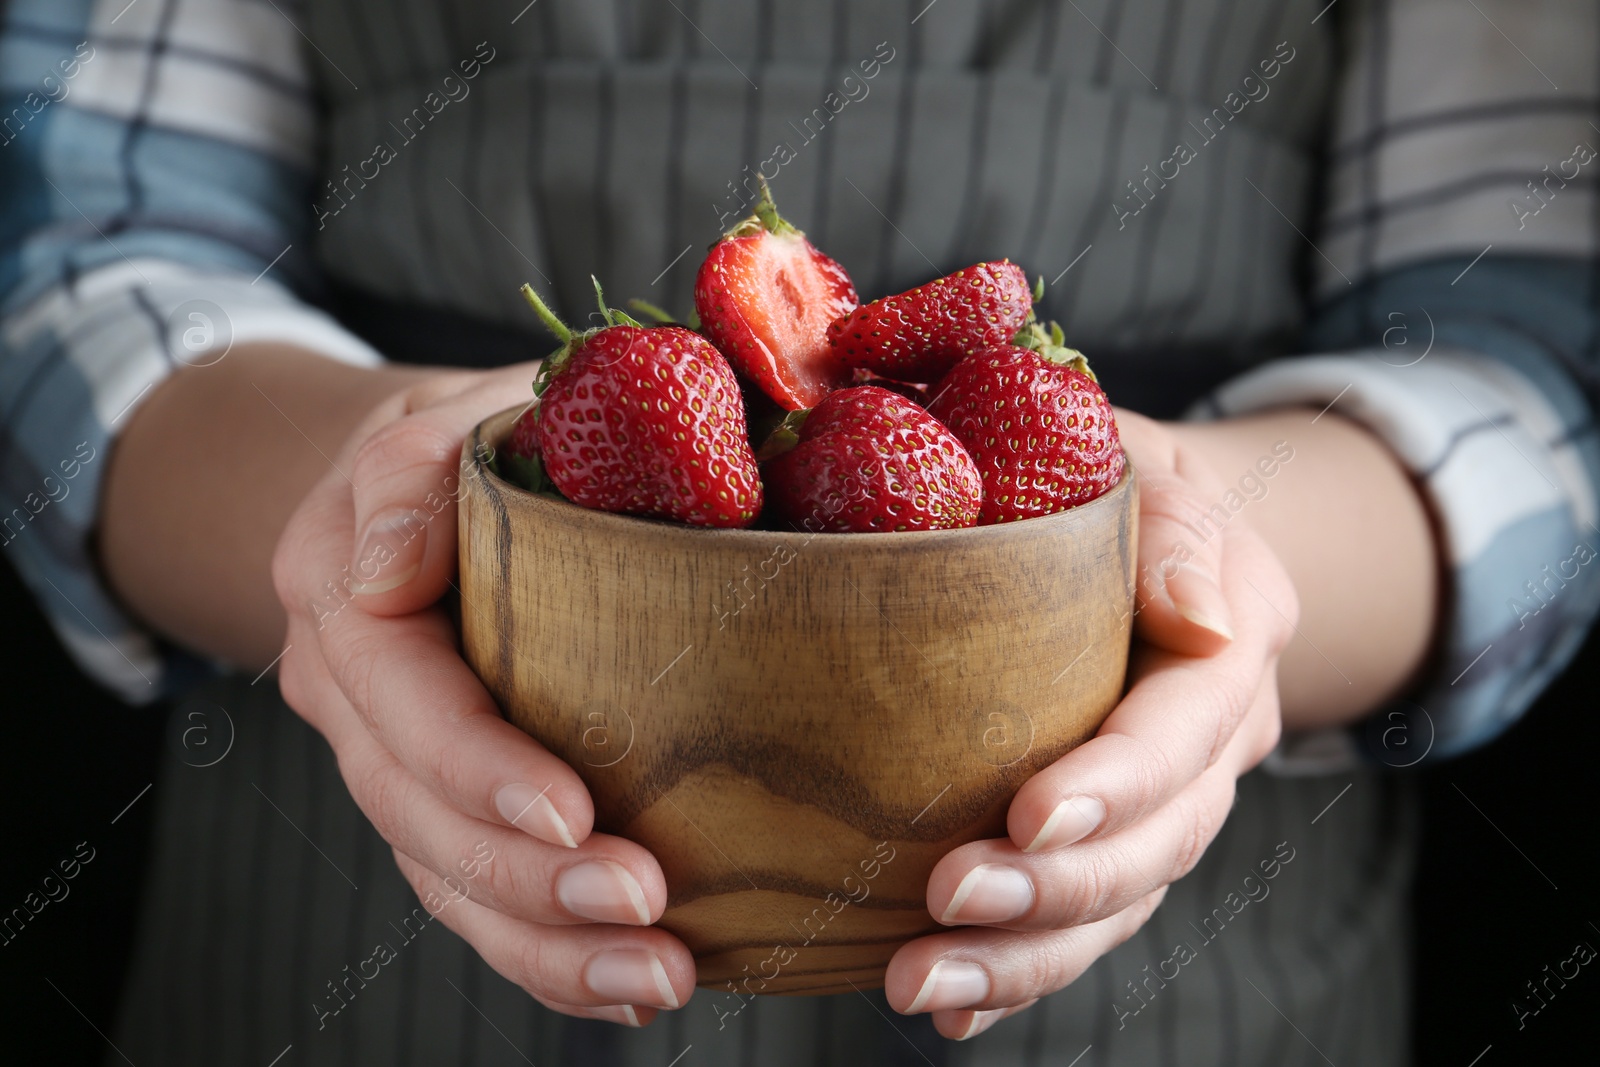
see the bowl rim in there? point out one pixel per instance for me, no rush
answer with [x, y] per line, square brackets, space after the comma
[1082, 514]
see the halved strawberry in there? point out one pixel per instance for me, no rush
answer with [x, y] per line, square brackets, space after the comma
[646, 421]
[918, 335]
[765, 297]
[1037, 423]
[866, 460]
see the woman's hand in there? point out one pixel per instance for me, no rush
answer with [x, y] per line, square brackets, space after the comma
[1095, 839]
[372, 663]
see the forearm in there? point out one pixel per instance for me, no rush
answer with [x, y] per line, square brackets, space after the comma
[1346, 520]
[203, 479]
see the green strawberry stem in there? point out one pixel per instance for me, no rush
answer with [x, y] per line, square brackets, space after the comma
[551, 322]
[1051, 345]
[785, 437]
[554, 361]
[651, 311]
[765, 219]
[569, 340]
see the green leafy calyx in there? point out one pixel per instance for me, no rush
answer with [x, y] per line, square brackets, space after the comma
[1051, 344]
[765, 219]
[785, 437]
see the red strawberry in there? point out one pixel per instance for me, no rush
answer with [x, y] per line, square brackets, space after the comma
[765, 297]
[644, 421]
[524, 443]
[920, 334]
[519, 462]
[866, 460]
[1036, 421]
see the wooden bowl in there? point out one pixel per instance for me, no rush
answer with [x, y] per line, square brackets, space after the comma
[797, 726]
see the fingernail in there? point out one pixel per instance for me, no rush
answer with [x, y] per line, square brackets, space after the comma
[981, 1021]
[1072, 820]
[628, 976]
[990, 893]
[1206, 622]
[603, 891]
[1199, 599]
[389, 553]
[951, 984]
[530, 810]
[618, 1013]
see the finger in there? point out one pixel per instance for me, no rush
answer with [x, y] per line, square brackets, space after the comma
[406, 678]
[952, 974]
[584, 966]
[1179, 590]
[607, 879]
[991, 883]
[632, 1015]
[1175, 721]
[407, 481]
[959, 1025]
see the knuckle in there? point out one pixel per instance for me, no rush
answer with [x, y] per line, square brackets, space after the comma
[1137, 915]
[1267, 737]
[449, 766]
[380, 795]
[1232, 702]
[354, 664]
[288, 572]
[502, 884]
[1286, 599]
[1152, 770]
[1049, 967]
[1091, 889]
[533, 967]
[403, 445]
[1198, 828]
[295, 686]
[438, 387]
[412, 872]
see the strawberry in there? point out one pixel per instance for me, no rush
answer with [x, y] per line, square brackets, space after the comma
[519, 462]
[866, 460]
[524, 443]
[646, 421]
[765, 297]
[1033, 416]
[920, 334]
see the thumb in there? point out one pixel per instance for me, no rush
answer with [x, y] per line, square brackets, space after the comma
[407, 482]
[1180, 600]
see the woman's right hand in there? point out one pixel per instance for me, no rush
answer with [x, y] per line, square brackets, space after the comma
[491, 830]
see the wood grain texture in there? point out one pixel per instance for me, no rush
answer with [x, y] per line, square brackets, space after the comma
[797, 726]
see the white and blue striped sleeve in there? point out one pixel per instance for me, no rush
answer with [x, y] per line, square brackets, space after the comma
[1458, 295]
[154, 210]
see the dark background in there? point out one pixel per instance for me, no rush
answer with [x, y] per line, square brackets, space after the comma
[1487, 920]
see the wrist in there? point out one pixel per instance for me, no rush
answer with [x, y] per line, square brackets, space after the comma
[204, 476]
[1347, 521]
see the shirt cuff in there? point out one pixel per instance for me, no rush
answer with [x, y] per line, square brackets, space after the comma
[1514, 501]
[74, 364]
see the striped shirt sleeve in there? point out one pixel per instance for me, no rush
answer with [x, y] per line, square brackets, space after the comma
[1457, 272]
[154, 190]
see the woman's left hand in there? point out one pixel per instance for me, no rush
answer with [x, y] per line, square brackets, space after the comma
[1095, 839]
